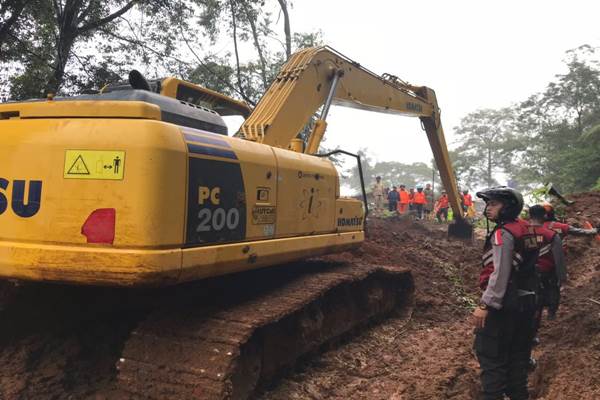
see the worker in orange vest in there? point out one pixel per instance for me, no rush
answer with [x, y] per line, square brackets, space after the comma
[411, 197]
[442, 207]
[467, 201]
[404, 200]
[419, 201]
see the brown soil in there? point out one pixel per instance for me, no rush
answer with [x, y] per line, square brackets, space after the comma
[62, 342]
[431, 357]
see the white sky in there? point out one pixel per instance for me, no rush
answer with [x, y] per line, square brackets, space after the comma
[474, 54]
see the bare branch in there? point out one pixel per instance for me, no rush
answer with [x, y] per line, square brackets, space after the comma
[257, 45]
[235, 45]
[286, 28]
[103, 21]
[207, 68]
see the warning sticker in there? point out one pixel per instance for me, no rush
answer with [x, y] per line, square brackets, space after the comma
[263, 215]
[94, 164]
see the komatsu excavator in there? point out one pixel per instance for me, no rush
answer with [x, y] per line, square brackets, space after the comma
[144, 187]
[140, 185]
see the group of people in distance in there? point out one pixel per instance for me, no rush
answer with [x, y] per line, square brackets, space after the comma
[419, 203]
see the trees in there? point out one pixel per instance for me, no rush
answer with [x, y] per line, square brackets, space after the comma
[485, 137]
[44, 35]
[66, 46]
[557, 127]
[551, 136]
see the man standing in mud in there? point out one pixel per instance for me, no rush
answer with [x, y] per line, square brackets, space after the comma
[504, 318]
[378, 194]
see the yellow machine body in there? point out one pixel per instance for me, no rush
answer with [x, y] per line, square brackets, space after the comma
[189, 204]
[140, 185]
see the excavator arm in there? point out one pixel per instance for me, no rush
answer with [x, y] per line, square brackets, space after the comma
[317, 77]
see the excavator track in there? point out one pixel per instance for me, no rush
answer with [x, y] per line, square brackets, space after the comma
[222, 341]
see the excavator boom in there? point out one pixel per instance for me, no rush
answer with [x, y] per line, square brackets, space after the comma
[320, 76]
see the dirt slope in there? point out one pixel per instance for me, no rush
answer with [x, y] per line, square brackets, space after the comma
[570, 352]
[60, 342]
[431, 357]
[428, 358]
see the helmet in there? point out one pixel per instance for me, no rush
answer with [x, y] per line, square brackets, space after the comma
[549, 208]
[419, 187]
[465, 191]
[512, 200]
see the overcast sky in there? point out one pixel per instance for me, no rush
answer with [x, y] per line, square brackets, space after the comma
[474, 54]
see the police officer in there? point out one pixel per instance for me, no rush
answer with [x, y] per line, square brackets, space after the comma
[551, 267]
[504, 319]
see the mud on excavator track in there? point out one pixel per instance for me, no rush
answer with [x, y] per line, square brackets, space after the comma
[221, 341]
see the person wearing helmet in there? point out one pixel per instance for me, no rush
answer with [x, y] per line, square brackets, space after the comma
[550, 264]
[442, 207]
[563, 229]
[419, 201]
[466, 201]
[504, 320]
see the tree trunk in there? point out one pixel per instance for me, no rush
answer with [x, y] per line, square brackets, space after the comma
[263, 63]
[68, 18]
[235, 46]
[286, 28]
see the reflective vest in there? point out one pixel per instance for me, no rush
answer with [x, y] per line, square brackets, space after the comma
[525, 255]
[443, 202]
[545, 237]
[467, 200]
[561, 229]
[403, 196]
[419, 198]
[558, 227]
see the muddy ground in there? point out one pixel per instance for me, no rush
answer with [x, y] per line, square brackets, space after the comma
[58, 342]
[430, 357]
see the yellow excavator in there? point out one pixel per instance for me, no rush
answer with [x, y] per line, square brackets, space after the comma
[140, 184]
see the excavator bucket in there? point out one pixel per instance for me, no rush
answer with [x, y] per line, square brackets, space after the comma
[460, 229]
[554, 192]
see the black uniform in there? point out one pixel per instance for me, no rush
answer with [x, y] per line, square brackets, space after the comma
[509, 280]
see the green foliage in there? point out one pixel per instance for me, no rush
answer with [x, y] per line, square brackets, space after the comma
[73, 45]
[486, 138]
[552, 136]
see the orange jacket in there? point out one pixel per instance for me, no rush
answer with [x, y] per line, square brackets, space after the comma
[419, 198]
[443, 202]
[467, 200]
[403, 196]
